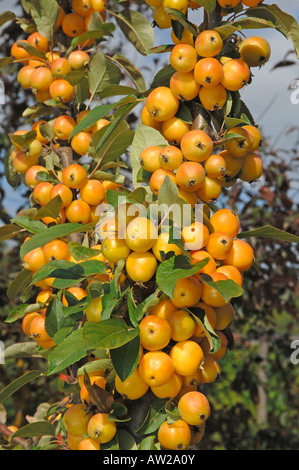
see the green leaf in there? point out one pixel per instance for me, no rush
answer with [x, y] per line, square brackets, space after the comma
[18, 284]
[227, 289]
[201, 318]
[17, 313]
[283, 22]
[66, 353]
[33, 226]
[36, 429]
[131, 69]
[33, 51]
[9, 231]
[101, 73]
[52, 233]
[51, 209]
[136, 28]
[18, 383]
[81, 253]
[125, 358]
[92, 117]
[7, 16]
[45, 14]
[68, 274]
[116, 144]
[173, 269]
[107, 334]
[148, 443]
[270, 232]
[209, 5]
[182, 19]
[162, 78]
[155, 417]
[143, 138]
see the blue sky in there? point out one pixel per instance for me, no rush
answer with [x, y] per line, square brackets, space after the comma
[268, 97]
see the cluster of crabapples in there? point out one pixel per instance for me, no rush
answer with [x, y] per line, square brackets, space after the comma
[191, 158]
[175, 358]
[162, 18]
[43, 67]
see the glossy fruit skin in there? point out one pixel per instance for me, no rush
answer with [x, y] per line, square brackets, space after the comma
[156, 368]
[155, 333]
[161, 18]
[208, 43]
[64, 192]
[41, 79]
[186, 357]
[239, 147]
[31, 175]
[101, 428]
[229, 3]
[210, 190]
[174, 130]
[219, 244]
[225, 220]
[76, 419]
[78, 212]
[133, 387]
[252, 168]
[190, 176]
[251, 3]
[182, 325]
[187, 292]
[194, 408]
[41, 193]
[60, 67]
[80, 142]
[195, 236]
[170, 157]
[255, 51]
[24, 76]
[208, 72]
[200, 255]
[148, 120]
[61, 90]
[163, 309]
[212, 296]
[174, 436]
[73, 25]
[209, 370]
[236, 74]
[63, 126]
[94, 310]
[55, 250]
[169, 389]
[162, 104]
[162, 244]
[141, 266]
[27, 320]
[34, 260]
[241, 255]
[183, 58]
[149, 158]
[184, 86]
[74, 176]
[88, 444]
[196, 145]
[224, 316]
[213, 98]
[115, 249]
[92, 192]
[38, 331]
[22, 162]
[158, 177]
[78, 59]
[232, 273]
[141, 234]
